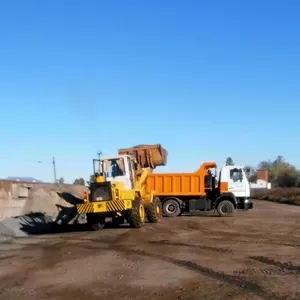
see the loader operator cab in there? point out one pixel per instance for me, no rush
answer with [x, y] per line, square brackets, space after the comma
[117, 169]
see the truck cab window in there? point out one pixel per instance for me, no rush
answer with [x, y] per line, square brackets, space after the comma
[236, 175]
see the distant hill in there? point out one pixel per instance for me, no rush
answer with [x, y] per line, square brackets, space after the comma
[23, 179]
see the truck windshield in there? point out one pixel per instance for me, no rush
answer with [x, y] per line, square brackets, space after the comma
[236, 174]
[114, 167]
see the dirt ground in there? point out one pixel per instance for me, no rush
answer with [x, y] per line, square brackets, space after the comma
[254, 255]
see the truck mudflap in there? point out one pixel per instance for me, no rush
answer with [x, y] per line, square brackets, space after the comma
[104, 206]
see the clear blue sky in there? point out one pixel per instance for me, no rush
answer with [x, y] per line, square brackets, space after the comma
[206, 79]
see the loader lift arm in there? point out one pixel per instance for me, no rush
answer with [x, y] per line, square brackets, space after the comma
[147, 158]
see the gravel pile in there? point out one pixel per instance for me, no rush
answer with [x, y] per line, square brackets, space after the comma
[24, 225]
[45, 206]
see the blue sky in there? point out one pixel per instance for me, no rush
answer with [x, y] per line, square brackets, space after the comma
[206, 79]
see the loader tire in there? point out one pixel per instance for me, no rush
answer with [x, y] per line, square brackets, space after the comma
[136, 215]
[154, 211]
[117, 221]
[95, 222]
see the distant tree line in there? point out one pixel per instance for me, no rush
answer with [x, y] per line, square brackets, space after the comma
[81, 181]
[281, 173]
[77, 181]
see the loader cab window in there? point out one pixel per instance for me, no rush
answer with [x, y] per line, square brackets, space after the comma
[114, 167]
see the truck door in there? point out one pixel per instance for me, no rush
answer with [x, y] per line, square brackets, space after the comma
[237, 183]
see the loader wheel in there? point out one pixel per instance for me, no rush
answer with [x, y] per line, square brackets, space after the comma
[136, 216]
[95, 222]
[154, 211]
[117, 221]
[225, 208]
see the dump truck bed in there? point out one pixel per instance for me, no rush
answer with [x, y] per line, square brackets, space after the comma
[180, 184]
[176, 184]
[148, 156]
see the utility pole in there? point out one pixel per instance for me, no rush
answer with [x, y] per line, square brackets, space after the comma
[54, 170]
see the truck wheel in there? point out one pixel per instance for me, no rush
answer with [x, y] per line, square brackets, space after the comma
[95, 222]
[171, 208]
[136, 215]
[225, 208]
[154, 211]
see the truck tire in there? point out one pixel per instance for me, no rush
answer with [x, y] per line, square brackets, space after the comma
[225, 208]
[95, 222]
[154, 211]
[136, 215]
[171, 208]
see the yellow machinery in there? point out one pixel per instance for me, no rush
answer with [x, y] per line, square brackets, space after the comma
[120, 188]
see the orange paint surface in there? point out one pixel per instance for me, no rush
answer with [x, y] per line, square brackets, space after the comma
[180, 184]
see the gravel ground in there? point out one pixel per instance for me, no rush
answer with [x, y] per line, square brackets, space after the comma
[254, 255]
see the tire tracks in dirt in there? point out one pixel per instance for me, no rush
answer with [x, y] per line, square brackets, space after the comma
[197, 246]
[284, 267]
[255, 238]
[232, 280]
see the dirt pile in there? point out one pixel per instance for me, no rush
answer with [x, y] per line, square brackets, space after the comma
[50, 200]
[46, 204]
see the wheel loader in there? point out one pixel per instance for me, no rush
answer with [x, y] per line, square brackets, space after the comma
[120, 191]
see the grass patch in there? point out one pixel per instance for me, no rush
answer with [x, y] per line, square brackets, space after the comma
[280, 195]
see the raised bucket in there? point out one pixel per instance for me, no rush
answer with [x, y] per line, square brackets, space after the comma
[148, 156]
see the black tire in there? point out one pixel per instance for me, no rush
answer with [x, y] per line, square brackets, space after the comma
[225, 208]
[95, 222]
[154, 211]
[171, 208]
[136, 215]
[117, 221]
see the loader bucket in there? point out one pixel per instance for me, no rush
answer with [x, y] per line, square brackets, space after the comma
[148, 156]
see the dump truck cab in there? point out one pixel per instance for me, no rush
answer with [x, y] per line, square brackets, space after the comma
[234, 179]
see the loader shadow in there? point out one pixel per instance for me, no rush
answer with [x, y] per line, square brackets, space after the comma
[41, 223]
[35, 223]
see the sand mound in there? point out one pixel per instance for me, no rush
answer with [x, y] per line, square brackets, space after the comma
[46, 204]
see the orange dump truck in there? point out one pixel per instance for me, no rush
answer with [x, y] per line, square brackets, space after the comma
[202, 190]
